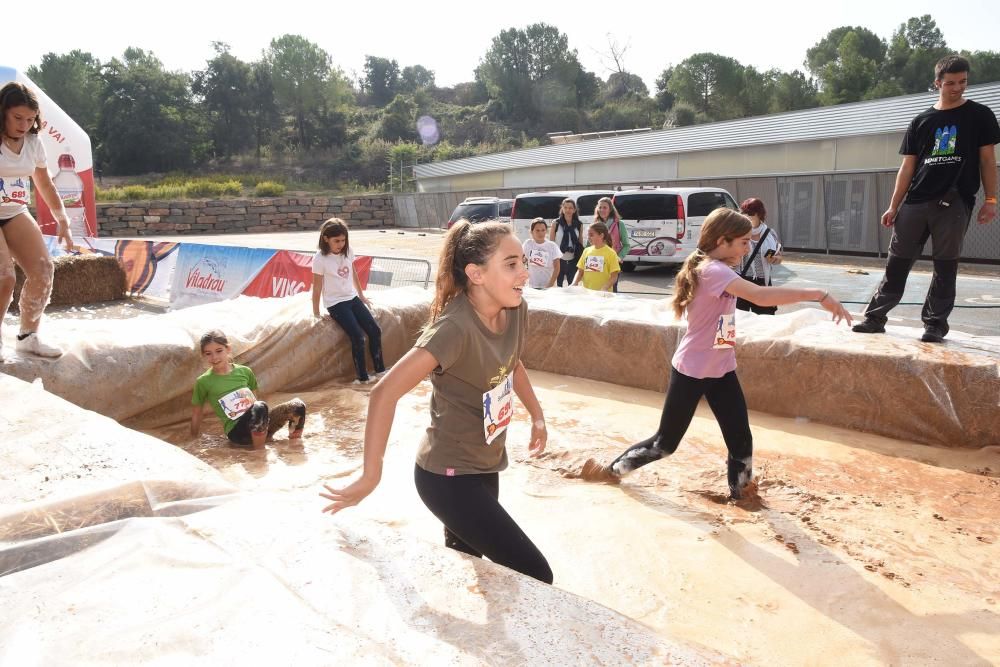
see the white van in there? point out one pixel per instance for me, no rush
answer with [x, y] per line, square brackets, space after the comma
[546, 205]
[664, 223]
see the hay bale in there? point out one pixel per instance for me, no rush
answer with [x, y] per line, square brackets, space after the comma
[82, 279]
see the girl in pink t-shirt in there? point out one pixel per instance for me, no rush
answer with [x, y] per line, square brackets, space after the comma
[705, 361]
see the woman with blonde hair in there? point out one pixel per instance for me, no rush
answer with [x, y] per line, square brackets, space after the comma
[705, 361]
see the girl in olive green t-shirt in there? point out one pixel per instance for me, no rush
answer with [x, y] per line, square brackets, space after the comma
[471, 348]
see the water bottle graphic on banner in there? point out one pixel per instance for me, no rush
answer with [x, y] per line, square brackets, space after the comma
[70, 188]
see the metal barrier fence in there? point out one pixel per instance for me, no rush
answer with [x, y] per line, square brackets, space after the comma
[389, 272]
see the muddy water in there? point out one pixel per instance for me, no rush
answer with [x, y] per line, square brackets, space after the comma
[860, 549]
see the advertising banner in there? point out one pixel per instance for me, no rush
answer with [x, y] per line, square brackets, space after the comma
[149, 265]
[285, 274]
[70, 163]
[206, 273]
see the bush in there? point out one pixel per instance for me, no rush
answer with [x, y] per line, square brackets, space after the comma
[268, 189]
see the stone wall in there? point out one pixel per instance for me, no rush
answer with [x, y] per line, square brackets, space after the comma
[224, 216]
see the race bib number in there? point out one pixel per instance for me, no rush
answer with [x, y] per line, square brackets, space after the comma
[594, 263]
[17, 191]
[725, 332]
[537, 258]
[498, 407]
[235, 403]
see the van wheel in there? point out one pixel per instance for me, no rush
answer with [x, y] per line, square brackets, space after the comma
[629, 267]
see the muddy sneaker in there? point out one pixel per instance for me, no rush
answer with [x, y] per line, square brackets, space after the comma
[932, 336]
[739, 474]
[596, 472]
[868, 327]
[32, 344]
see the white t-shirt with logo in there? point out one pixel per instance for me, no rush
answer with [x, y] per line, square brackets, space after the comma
[338, 277]
[15, 169]
[541, 257]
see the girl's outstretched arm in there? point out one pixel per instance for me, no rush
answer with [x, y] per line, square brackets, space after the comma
[525, 392]
[578, 277]
[403, 377]
[782, 296]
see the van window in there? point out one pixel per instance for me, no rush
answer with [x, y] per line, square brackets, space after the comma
[542, 206]
[475, 212]
[585, 205]
[701, 204]
[505, 208]
[651, 206]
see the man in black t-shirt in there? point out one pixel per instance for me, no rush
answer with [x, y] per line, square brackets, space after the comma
[946, 151]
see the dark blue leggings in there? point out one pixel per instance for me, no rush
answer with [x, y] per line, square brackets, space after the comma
[476, 524]
[357, 321]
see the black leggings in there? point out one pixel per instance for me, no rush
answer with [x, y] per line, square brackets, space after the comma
[567, 271]
[262, 418]
[476, 524]
[725, 398]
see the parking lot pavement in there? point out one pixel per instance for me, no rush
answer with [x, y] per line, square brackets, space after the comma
[851, 279]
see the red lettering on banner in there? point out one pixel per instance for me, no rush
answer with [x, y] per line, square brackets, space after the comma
[209, 282]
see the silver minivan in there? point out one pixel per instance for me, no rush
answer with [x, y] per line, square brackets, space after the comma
[664, 223]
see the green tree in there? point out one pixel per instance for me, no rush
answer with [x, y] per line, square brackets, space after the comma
[985, 66]
[756, 91]
[793, 91]
[664, 98]
[224, 87]
[623, 84]
[262, 107]
[914, 48]
[147, 120]
[300, 73]
[381, 79]
[398, 122]
[710, 83]
[847, 63]
[73, 80]
[415, 77]
[531, 70]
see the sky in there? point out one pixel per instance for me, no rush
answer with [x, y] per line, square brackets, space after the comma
[450, 37]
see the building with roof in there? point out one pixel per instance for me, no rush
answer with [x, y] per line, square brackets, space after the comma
[825, 174]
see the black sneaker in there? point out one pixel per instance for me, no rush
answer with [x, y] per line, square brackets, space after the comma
[932, 336]
[868, 327]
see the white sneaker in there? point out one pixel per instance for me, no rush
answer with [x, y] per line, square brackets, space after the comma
[34, 345]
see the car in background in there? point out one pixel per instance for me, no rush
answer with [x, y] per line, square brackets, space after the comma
[546, 205]
[664, 223]
[481, 209]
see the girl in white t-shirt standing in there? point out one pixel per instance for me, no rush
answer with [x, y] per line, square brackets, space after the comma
[336, 282]
[23, 164]
[705, 361]
[543, 256]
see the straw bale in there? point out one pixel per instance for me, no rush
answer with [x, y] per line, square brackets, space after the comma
[82, 279]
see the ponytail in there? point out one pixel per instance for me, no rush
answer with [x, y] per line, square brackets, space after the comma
[721, 225]
[464, 244]
[686, 282]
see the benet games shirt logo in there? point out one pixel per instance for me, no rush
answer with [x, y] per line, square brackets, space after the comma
[206, 275]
